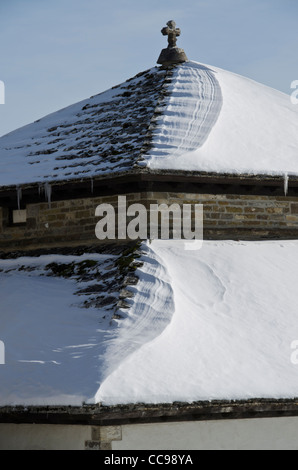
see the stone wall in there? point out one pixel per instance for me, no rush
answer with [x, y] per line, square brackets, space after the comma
[72, 222]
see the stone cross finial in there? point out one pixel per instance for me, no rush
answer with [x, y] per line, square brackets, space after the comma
[173, 54]
[172, 32]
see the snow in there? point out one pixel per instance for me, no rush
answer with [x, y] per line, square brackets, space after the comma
[210, 120]
[46, 342]
[53, 346]
[99, 135]
[189, 114]
[231, 322]
[212, 323]
[254, 130]
[286, 184]
[216, 323]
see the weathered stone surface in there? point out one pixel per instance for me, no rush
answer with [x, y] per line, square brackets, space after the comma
[98, 137]
[173, 54]
[107, 433]
[72, 222]
[172, 32]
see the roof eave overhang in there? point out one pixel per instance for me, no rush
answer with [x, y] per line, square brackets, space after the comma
[98, 415]
[147, 179]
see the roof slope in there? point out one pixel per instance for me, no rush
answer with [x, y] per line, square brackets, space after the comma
[215, 334]
[190, 118]
[229, 320]
[217, 121]
[100, 135]
[58, 313]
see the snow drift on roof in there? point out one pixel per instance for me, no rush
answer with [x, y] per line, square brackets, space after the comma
[233, 320]
[217, 323]
[254, 131]
[188, 114]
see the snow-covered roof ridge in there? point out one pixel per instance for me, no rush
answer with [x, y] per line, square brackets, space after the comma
[189, 112]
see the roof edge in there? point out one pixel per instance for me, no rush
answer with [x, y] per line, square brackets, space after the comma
[150, 413]
[146, 174]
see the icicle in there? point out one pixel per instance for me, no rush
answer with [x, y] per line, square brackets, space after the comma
[92, 185]
[39, 188]
[19, 196]
[48, 193]
[286, 184]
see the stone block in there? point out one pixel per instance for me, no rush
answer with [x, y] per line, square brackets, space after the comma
[292, 218]
[234, 209]
[172, 55]
[19, 216]
[253, 209]
[31, 223]
[274, 210]
[107, 433]
[82, 214]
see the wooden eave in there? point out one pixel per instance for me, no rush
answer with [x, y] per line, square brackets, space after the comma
[151, 180]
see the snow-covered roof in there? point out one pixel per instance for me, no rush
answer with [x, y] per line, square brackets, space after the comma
[217, 121]
[100, 135]
[191, 118]
[218, 323]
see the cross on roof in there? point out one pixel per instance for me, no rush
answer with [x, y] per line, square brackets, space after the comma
[172, 32]
[172, 54]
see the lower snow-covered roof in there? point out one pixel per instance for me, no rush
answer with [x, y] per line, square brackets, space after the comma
[218, 323]
[193, 117]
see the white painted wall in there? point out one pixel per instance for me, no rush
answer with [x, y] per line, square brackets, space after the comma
[265, 433]
[43, 437]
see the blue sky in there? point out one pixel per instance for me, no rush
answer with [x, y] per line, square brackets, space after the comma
[55, 53]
